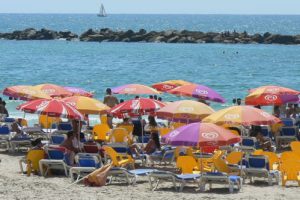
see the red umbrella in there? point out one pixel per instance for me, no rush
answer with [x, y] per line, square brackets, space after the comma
[271, 95]
[134, 107]
[52, 108]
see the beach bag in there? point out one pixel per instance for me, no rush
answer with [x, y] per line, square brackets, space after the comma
[98, 177]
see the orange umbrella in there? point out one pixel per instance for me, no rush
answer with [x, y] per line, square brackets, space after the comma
[87, 105]
[169, 85]
[25, 92]
[241, 115]
[271, 95]
[53, 90]
[185, 110]
[134, 89]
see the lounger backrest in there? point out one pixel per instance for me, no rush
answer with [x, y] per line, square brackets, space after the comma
[220, 165]
[119, 135]
[257, 161]
[128, 128]
[34, 156]
[57, 139]
[64, 127]
[88, 161]
[287, 121]
[288, 131]
[9, 119]
[248, 141]
[4, 130]
[289, 155]
[183, 151]
[55, 154]
[265, 130]
[144, 139]
[91, 148]
[295, 146]
[272, 158]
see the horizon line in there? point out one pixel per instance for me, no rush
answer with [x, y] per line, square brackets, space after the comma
[152, 13]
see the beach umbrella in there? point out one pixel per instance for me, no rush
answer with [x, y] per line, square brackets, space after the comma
[271, 95]
[79, 91]
[87, 105]
[187, 110]
[51, 108]
[134, 107]
[134, 89]
[53, 90]
[169, 85]
[241, 115]
[200, 135]
[197, 91]
[25, 92]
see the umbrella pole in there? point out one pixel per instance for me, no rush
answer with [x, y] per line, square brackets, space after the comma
[142, 132]
[47, 123]
[79, 135]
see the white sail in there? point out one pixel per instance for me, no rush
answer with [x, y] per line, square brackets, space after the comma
[102, 12]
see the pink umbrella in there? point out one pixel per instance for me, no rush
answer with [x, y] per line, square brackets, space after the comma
[79, 91]
[134, 89]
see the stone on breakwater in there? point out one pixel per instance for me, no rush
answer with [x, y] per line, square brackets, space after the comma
[168, 36]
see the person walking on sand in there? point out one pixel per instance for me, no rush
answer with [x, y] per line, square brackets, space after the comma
[110, 101]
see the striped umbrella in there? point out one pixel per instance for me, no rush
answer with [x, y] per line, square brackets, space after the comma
[169, 85]
[134, 89]
[25, 92]
[185, 110]
[241, 115]
[198, 91]
[51, 108]
[271, 95]
[53, 90]
[134, 107]
[201, 135]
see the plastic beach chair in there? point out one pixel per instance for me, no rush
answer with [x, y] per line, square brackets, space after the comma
[100, 132]
[118, 160]
[32, 161]
[187, 165]
[157, 176]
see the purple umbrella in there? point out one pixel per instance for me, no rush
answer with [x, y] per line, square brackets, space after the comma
[198, 91]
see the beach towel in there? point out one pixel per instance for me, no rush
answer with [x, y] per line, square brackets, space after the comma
[98, 177]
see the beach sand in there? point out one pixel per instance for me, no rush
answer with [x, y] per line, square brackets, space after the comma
[14, 185]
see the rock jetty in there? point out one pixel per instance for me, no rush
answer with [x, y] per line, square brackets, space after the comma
[169, 36]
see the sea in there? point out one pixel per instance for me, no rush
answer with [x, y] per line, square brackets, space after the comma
[230, 69]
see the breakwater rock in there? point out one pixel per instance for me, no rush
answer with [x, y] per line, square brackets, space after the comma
[169, 36]
[43, 34]
[185, 36]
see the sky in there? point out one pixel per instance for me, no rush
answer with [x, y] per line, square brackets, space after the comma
[153, 6]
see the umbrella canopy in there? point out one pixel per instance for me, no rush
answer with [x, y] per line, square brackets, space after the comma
[134, 89]
[242, 115]
[25, 92]
[271, 95]
[86, 105]
[52, 108]
[185, 110]
[141, 106]
[198, 91]
[53, 90]
[169, 85]
[201, 135]
[79, 91]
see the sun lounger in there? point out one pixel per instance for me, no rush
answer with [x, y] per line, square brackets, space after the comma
[248, 144]
[5, 137]
[219, 177]
[258, 166]
[57, 139]
[156, 176]
[56, 160]
[130, 176]
[287, 135]
[166, 155]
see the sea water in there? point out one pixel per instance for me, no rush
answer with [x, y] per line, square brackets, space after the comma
[230, 69]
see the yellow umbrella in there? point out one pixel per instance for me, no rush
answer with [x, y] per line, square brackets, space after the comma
[53, 90]
[241, 115]
[185, 110]
[25, 92]
[87, 105]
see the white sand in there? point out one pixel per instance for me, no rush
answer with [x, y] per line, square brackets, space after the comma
[14, 185]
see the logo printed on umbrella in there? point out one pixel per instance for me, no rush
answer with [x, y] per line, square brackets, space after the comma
[265, 114]
[129, 89]
[42, 104]
[168, 87]
[186, 109]
[49, 91]
[174, 133]
[272, 90]
[72, 103]
[30, 92]
[199, 91]
[271, 97]
[231, 116]
[210, 135]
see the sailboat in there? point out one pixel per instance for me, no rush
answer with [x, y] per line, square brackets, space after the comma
[102, 12]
